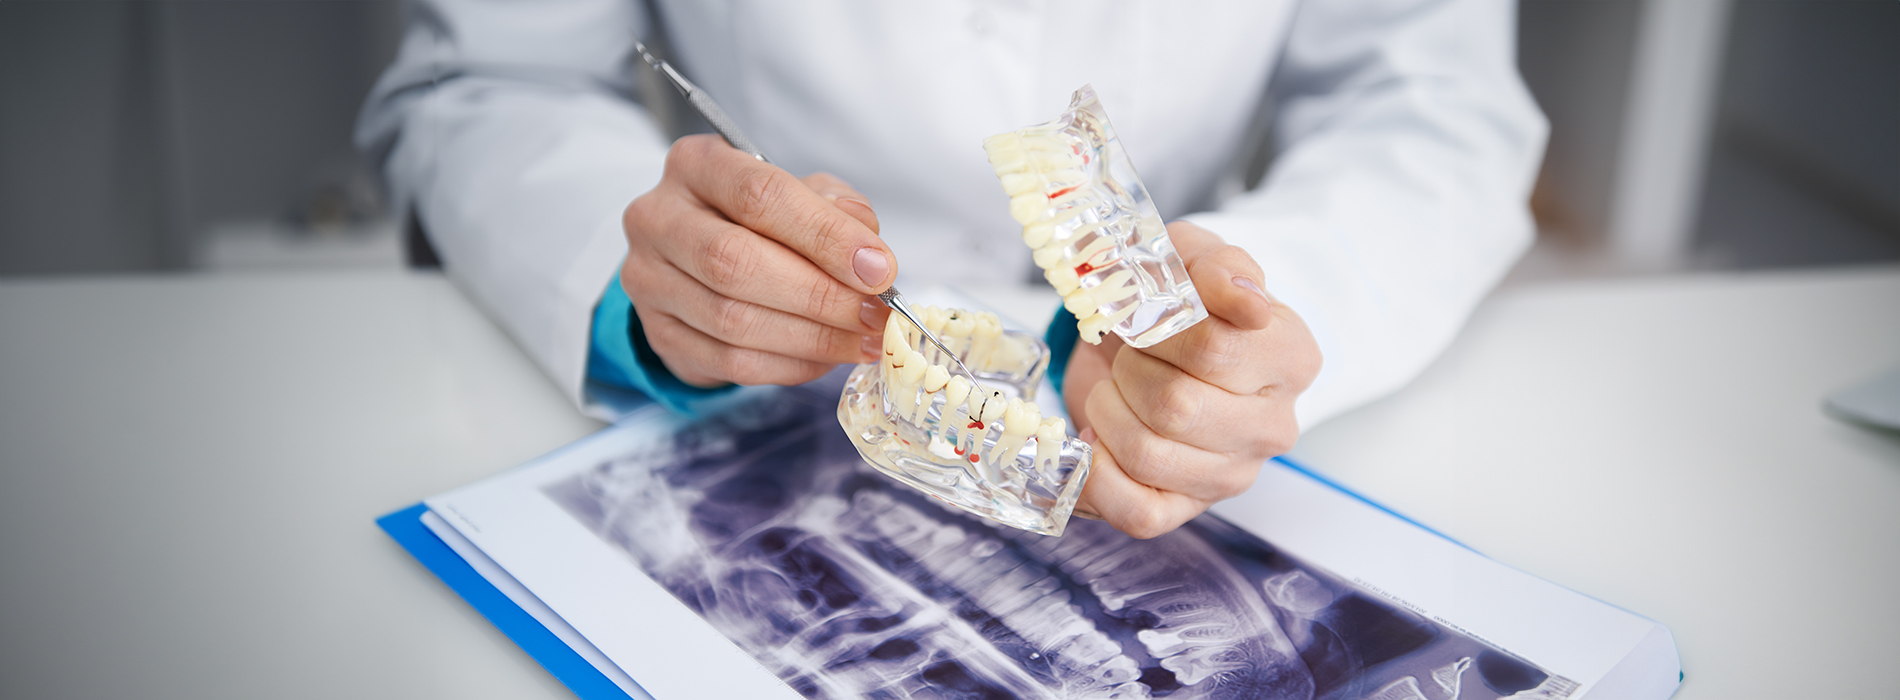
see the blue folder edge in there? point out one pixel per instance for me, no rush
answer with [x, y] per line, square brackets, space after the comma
[405, 526]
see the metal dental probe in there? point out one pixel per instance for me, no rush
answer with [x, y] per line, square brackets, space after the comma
[721, 123]
[896, 302]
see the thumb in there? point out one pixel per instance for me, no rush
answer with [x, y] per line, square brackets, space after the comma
[1227, 278]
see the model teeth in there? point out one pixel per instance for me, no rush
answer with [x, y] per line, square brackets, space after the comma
[1042, 173]
[917, 374]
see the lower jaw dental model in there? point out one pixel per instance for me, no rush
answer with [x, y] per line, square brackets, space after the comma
[1100, 241]
[1095, 232]
[983, 447]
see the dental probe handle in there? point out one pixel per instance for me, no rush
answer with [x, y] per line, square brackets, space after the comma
[703, 103]
[895, 299]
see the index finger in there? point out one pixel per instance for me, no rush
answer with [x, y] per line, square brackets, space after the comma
[771, 202]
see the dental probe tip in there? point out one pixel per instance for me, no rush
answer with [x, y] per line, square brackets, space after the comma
[895, 299]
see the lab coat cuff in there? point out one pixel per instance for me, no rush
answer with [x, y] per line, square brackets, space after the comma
[1061, 338]
[621, 357]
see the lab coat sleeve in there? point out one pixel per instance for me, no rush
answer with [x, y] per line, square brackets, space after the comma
[1406, 146]
[503, 126]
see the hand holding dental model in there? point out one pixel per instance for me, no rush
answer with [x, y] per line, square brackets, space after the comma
[1187, 422]
[1182, 407]
[744, 274]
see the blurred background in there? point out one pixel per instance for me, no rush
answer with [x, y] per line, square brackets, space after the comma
[170, 135]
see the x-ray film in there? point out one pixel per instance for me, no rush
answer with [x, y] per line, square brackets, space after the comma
[845, 584]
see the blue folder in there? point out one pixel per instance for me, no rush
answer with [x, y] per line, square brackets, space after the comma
[587, 682]
[406, 527]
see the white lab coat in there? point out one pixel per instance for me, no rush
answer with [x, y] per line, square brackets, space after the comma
[1405, 143]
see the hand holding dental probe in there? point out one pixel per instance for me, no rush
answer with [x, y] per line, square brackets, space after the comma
[1187, 422]
[723, 124]
[742, 273]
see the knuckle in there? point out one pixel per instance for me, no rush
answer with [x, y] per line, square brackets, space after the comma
[1178, 410]
[685, 152]
[726, 260]
[1213, 353]
[832, 343]
[829, 236]
[1146, 460]
[818, 297]
[758, 190]
[738, 366]
[638, 212]
[1282, 439]
[731, 318]
[1307, 363]
[1146, 521]
[1276, 438]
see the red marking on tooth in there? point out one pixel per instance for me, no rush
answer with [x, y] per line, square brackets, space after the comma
[975, 425]
[959, 451]
[973, 459]
[1084, 269]
[1063, 191]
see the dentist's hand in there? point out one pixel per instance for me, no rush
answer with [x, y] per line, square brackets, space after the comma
[1187, 422]
[742, 273]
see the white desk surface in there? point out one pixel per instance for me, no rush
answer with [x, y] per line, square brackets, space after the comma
[190, 468]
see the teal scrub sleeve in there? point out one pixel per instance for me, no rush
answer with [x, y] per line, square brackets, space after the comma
[618, 355]
[1061, 338]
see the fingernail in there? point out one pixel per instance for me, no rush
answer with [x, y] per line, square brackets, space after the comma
[873, 314]
[871, 265]
[871, 348]
[1087, 435]
[1085, 514]
[1248, 285]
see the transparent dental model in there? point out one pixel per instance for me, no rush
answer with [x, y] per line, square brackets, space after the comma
[980, 446]
[1095, 232]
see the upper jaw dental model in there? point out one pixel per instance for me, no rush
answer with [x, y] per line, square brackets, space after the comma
[983, 447]
[1095, 232]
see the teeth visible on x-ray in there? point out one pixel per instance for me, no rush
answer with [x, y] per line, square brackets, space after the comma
[1449, 677]
[1023, 594]
[1402, 689]
[846, 585]
[1195, 634]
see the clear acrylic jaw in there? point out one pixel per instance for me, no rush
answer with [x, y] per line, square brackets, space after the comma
[1095, 232]
[982, 447]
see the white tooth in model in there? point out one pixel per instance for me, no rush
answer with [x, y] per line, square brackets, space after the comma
[1089, 220]
[918, 418]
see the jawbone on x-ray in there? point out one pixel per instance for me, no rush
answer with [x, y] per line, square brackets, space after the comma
[983, 447]
[1095, 232]
[766, 523]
